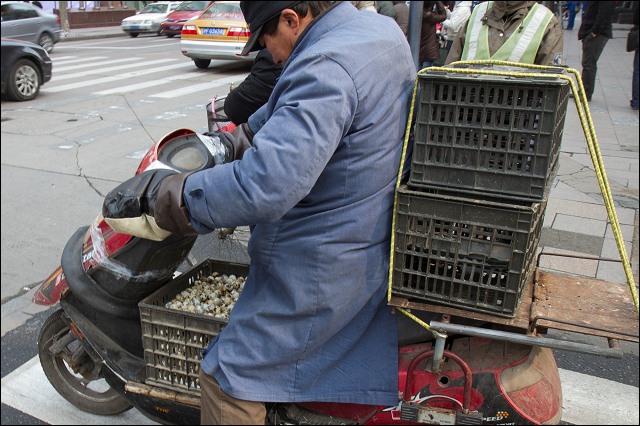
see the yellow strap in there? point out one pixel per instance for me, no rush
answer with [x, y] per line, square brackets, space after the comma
[590, 135]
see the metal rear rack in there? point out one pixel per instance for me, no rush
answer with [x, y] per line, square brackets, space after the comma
[552, 300]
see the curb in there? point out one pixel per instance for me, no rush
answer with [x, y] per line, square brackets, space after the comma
[76, 37]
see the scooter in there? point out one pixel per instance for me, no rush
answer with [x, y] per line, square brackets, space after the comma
[92, 349]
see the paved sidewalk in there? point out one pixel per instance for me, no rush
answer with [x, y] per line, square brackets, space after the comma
[576, 220]
[93, 33]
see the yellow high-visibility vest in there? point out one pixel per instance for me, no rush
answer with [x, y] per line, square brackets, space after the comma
[521, 47]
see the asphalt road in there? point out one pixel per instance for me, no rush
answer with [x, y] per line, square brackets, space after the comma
[109, 101]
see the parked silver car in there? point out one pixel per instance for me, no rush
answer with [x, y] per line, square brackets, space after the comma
[148, 20]
[23, 21]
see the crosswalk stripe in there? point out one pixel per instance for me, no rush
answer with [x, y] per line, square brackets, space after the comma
[618, 404]
[28, 383]
[146, 84]
[198, 87]
[84, 74]
[74, 60]
[97, 46]
[110, 79]
[64, 58]
[93, 64]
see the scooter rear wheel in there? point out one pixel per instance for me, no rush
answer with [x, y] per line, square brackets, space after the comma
[85, 389]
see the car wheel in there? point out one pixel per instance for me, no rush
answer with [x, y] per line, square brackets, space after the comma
[133, 34]
[46, 41]
[202, 63]
[169, 35]
[24, 81]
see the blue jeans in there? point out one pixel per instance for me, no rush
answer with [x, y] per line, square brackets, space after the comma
[634, 84]
[571, 5]
[426, 64]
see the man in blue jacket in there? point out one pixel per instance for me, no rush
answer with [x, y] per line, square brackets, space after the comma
[316, 181]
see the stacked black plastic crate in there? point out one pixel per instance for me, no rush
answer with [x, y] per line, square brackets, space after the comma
[485, 155]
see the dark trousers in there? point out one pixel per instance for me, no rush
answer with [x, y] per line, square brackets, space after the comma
[592, 48]
[634, 84]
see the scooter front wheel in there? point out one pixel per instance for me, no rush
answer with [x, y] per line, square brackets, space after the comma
[73, 373]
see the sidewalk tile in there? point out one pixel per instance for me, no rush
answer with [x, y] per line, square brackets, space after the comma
[578, 209]
[610, 249]
[581, 225]
[611, 271]
[576, 266]
[627, 231]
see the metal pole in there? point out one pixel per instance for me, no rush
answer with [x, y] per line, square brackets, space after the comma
[525, 340]
[438, 351]
[415, 28]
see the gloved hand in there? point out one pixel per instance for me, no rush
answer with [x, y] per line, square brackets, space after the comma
[170, 212]
[130, 207]
[236, 142]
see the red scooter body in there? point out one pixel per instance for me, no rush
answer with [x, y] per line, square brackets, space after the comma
[97, 335]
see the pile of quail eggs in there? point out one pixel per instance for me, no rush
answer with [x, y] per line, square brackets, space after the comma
[214, 295]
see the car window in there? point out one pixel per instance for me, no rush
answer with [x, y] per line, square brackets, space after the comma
[192, 5]
[13, 11]
[223, 10]
[154, 8]
[173, 7]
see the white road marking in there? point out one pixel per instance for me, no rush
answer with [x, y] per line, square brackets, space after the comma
[94, 64]
[64, 58]
[67, 46]
[589, 400]
[73, 60]
[147, 84]
[110, 79]
[28, 390]
[84, 74]
[199, 87]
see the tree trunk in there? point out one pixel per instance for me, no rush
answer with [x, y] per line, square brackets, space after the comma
[64, 17]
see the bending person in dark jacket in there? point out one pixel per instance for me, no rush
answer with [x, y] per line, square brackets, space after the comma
[254, 91]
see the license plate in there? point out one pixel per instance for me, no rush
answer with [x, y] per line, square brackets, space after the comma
[174, 27]
[134, 27]
[213, 31]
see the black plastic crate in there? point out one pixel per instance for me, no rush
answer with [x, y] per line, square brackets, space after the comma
[468, 253]
[488, 134]
[172, 339]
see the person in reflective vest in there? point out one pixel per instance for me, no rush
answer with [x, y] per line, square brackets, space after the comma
[516, 31]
